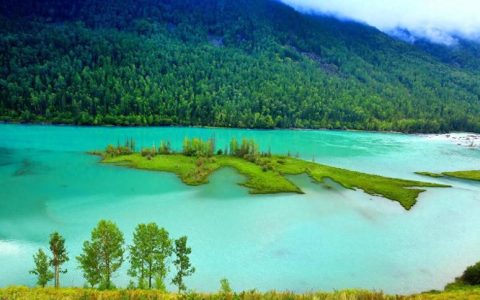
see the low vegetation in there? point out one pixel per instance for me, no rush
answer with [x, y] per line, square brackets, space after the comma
[430, 174]
[468, 175]
[25, 293]
[265, 172]
[469, 279]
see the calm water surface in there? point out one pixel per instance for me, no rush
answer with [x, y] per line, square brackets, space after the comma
[329, 238]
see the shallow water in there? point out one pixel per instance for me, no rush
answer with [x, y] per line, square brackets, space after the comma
[329, 238]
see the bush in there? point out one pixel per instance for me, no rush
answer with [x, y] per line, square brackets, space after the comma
[471, 275]
[198, 147]
[148, 152]
[225, 288]
[165, 148]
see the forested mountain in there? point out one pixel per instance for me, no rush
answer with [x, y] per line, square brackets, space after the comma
[239, 63]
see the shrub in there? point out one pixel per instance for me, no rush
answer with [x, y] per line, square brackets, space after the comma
[165, 148]
[198, 147]
[148, 152]
[225, 288]
[471, 275]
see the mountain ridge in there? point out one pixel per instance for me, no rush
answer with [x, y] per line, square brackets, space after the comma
[275, 68]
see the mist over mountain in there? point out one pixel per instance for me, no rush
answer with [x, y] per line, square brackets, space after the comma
[439, 22]
[255, 64]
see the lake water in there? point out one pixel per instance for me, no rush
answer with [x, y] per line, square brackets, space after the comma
[329, 238]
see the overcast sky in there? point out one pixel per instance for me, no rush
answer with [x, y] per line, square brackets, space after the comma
[438, 20]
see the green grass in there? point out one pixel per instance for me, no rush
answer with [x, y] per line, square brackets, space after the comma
[195, 171]
[25, 293]
[403, 191]
[266, 176]
[430, 174]
[468, 175]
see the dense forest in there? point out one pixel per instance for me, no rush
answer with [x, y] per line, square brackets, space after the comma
[232, 63]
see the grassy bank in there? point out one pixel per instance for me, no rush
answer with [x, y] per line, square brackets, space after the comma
[467, 175]
[24, 293]
[266, 175]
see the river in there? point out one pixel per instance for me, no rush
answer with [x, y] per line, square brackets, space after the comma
[329, 238]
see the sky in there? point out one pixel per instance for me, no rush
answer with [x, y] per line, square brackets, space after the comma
[440, 21]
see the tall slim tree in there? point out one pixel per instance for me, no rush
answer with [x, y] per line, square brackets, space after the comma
[89, 264]
[59, 256]
[149, 253]
[103, 253]
[182, 263]
[42, 268]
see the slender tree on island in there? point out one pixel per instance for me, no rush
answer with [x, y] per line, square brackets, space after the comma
[102, 255]
[59, 256]
[148, 255]
[182, 263]
[42, 268]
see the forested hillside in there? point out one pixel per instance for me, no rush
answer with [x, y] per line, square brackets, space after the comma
[235, 63]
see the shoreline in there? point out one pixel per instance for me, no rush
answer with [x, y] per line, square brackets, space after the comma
[241, 128]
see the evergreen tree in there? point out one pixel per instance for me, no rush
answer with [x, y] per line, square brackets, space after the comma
[42, 268]
[149, 253]
[182, 263]
[103, 254]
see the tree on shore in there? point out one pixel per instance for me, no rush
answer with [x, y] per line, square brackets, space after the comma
[59, 256]
[102, 255]
[182, 263]
[42, 268]
[148, 255]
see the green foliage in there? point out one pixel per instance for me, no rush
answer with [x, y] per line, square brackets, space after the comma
[149, 152]
[430, 174]
[249, 64]
[24, 293]
[266, 172]
[126, 149]
[103, 255]
[469, 175]
[149, 253]
[59, 256]
[225, 288]
[165, 148]
[182, 263]
[42, 268]
[248, 149]
[471, 276]
[198, 147]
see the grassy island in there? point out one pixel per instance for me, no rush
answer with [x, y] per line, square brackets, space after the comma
[265, 172]
[467, 175]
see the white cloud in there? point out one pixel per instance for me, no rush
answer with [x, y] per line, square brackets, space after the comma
[438, 20]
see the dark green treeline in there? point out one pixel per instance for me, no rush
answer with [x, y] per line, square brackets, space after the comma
[248, 64]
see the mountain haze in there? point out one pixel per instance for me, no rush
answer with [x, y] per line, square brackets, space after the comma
[254, 64]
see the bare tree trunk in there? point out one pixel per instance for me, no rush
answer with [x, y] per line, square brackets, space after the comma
[57, 277]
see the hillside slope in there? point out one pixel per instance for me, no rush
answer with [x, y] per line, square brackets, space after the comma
[255, 64]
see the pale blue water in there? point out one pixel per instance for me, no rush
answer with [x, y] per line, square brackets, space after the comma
[329, 238]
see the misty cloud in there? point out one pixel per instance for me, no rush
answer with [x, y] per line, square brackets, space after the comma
[440, 21]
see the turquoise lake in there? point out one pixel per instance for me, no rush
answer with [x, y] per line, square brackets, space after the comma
[329, 238]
